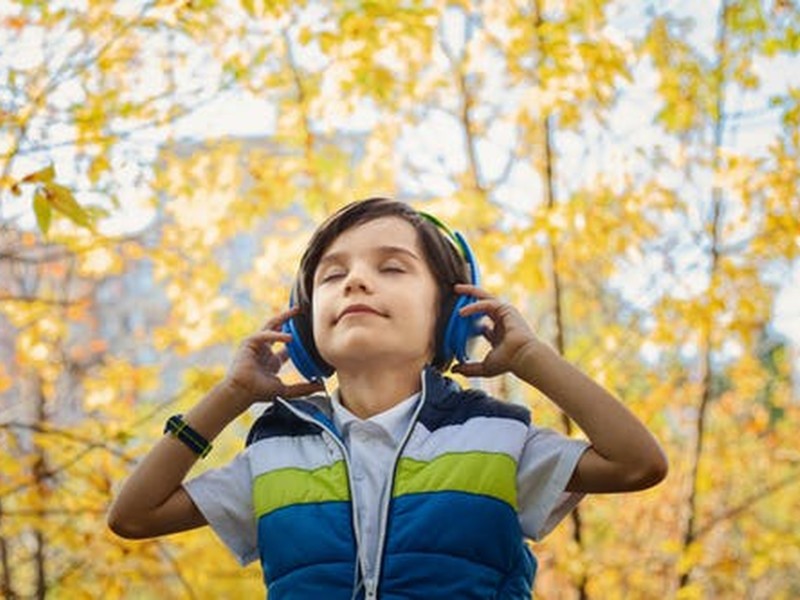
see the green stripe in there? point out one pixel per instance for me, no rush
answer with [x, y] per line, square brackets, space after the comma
[282, 487]
[486, 473]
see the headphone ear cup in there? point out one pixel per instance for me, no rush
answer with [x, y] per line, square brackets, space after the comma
[300, 356]
[459, 331]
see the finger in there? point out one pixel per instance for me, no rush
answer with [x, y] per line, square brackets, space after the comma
[295, 390]
[472, 290]
[473, 369]
[270, 336]
[272, 362]
[282, 354]
[276, 322]
[261, 345]
[489, 334]
[489, 307]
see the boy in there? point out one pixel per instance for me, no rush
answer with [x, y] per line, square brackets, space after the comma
[400, 484]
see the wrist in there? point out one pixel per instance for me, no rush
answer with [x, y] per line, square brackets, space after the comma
[232, 395]
[528, 357]
[219, 407]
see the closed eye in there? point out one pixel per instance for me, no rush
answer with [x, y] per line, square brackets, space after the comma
[393, 265]
[332, 276]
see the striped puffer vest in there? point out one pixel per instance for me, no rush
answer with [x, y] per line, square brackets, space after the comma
[450, 530]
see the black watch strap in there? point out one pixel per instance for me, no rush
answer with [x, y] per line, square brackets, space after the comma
[180, 429]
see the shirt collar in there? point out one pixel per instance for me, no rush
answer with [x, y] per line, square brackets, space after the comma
[394, 421]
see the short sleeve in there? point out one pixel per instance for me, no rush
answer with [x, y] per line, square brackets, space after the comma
[225, 498]
[545, 467]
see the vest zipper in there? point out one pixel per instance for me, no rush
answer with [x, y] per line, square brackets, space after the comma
[353, 517]
[390, 490]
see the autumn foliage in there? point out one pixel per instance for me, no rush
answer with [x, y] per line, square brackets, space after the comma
[627, 175]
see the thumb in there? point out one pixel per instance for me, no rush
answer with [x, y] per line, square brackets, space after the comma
[471, 369]
[295, 390]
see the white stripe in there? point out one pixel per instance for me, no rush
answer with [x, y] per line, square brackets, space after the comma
[479, 434]
[303, 452]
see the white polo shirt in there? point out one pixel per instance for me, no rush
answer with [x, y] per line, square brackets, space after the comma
[372, 444]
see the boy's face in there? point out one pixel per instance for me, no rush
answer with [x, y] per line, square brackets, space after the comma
[375, 299]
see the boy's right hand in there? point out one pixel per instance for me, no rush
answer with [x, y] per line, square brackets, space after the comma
[253, 374]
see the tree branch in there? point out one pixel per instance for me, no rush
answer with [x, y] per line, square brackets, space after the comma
[49, 301]
[748, 502]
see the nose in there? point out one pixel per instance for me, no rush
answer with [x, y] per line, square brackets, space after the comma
[357, 280]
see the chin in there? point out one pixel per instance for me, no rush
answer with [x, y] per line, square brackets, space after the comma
[368, 356]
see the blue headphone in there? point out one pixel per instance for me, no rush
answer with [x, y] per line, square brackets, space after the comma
[457, 333]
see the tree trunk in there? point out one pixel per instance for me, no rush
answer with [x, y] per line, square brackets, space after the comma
[40, 482]
[558, 310]
[6, 587]
[546, 171]
[706, 392]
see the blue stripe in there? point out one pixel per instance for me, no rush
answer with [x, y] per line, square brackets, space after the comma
[478, 529]
[306, 535]
[316, 582]
[423, 576]
[472, 548]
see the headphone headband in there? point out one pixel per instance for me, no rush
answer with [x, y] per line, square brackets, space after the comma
[459, 242]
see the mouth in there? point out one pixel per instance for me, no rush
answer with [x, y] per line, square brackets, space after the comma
[358, 309]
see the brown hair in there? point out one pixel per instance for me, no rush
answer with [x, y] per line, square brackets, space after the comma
[445, 262]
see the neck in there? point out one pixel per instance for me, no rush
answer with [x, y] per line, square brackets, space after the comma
[368, 392]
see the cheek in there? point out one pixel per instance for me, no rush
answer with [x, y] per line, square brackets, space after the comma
[318, 314]
[432, 317]
[318, 331]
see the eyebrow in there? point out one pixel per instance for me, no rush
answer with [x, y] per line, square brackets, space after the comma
[383, 250]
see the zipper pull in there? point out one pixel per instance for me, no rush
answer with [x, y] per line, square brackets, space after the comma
[369, 588]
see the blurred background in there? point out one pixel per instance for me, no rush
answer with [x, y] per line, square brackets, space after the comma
[627, 173]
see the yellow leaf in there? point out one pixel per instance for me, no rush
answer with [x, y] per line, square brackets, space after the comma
[691, 556]
[305, 36]
[97, 167]
[63, 201]
[46, 175]
[693, 591]
[42, 210]
[5, 380]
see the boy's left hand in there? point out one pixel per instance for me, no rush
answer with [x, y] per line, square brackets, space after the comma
[509, 334]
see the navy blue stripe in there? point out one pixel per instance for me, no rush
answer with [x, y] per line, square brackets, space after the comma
[313, 411]
[447, 404]
[276, 421]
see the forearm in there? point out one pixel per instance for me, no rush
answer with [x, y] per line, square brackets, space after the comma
[159, 475]
[615, 433]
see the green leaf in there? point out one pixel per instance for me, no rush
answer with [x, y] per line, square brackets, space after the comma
[41, 207]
